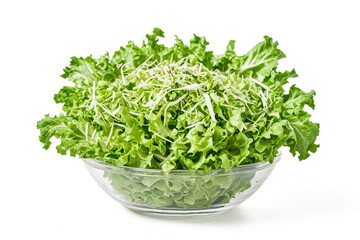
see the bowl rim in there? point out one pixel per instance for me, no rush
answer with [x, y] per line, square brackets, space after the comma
[247, 167]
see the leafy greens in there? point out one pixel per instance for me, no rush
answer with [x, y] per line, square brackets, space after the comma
[181, 107]
[188, 190]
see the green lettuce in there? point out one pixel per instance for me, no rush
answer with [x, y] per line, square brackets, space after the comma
[188, 191]
[181, 107]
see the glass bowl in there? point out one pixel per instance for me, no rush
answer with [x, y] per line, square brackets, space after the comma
[181, 193]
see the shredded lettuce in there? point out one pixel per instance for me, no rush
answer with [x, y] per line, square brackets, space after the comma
[181, 107]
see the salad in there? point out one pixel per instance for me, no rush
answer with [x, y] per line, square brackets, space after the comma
[181, 107]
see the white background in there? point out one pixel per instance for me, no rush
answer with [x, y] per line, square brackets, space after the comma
[48, 196]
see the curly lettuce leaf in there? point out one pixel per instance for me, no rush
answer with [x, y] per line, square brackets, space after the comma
[181, 107]
[185, 191]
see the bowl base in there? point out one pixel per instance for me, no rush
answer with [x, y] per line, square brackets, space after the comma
[169, 213]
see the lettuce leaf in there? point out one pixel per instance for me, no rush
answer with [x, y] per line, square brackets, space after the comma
[181, 107]
[184, 191]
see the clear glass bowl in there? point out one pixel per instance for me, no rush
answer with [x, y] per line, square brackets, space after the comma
[181, 193]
